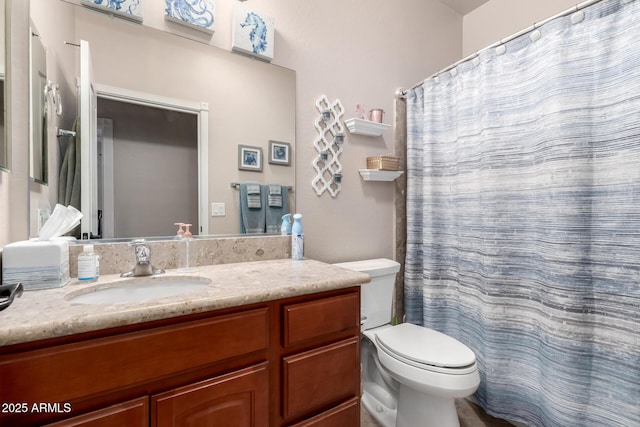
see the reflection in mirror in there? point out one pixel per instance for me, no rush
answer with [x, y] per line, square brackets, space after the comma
[166, 139]
[247, 102]
[4, 150]
[38, 109]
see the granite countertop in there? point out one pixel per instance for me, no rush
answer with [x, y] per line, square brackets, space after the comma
[48, 313]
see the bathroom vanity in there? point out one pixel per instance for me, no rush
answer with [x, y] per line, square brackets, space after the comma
[269, 343]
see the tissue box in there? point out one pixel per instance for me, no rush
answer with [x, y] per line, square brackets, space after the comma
[36, 264]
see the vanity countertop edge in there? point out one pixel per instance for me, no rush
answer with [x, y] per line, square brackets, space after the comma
[45, 314]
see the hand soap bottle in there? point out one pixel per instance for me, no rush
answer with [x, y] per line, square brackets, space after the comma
[180, 232]
[297, 238]
[186, 255]
[88, 265]
[285, 228]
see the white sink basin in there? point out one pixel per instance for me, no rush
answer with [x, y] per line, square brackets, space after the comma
[138, 289]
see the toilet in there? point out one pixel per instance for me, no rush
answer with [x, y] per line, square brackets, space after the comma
[411, 375]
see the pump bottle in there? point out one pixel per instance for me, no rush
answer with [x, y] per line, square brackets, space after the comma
[186, 256]
[297, 238]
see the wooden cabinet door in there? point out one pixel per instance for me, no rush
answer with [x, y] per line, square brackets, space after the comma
[347, 414]
[133, 413]
[321, 318]
[320, 377]
[238, 399]
[92, 367]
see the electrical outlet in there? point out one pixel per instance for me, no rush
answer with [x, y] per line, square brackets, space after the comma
[217, 209]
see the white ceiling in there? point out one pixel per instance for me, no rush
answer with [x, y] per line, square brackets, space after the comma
[464, 6]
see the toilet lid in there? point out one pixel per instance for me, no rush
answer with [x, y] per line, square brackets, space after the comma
[425, 346]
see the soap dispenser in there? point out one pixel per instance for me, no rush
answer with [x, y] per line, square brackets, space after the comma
[285, 229]
[180, 232]
[186, 253]
[297, 238]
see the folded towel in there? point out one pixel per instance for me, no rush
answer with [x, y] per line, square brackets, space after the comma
[254, 199]
[276, 208]
[252, 219]
[275, 196]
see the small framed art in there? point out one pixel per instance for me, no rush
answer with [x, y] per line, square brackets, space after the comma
[279, 153]
[197, 14]
[252, 33]
[249, 158]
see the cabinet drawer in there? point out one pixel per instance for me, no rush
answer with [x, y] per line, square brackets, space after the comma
[346, 414]
[322, 317]
[133, 413]
[71, 371]
[238, 399]
[320, 377]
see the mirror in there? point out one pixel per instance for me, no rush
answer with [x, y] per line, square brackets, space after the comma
[247, 102]
[38, 109]
[4, 150]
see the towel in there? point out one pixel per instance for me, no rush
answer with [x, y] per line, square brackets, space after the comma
[69, 176]
[254, 200]
[275, 195]
[277, 206]
[252, 215]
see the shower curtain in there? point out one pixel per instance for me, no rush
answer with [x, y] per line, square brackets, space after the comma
[523, 228]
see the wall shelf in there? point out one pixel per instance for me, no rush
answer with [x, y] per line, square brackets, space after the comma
[366, 127]
[379, 175]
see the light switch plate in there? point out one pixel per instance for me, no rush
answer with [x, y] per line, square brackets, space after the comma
[217, 209]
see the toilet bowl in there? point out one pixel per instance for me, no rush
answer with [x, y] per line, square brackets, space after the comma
[411, 375]
[380, 389]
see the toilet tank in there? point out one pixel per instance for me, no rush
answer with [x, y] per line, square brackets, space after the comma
[376, 297]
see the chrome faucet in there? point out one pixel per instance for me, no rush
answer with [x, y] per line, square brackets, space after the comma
[143, 265]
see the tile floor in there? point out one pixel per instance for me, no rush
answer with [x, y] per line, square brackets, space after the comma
[470, 415]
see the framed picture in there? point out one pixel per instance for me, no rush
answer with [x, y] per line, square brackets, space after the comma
[279, 153]
[130, 9]
[252, 33]
[249, 158]
[197, 14]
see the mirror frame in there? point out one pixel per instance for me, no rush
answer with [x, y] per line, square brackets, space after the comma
[4, 145]
[38, 106]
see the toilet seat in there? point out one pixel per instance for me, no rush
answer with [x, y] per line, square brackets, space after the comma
[427, 349]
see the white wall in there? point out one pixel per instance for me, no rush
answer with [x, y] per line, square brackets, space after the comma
[498, 19]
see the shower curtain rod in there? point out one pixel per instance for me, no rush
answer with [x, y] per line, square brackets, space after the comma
[402, 93]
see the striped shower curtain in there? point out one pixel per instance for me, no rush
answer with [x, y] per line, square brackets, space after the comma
[523, 229]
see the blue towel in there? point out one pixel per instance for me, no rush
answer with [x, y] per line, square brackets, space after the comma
[275, 195]
[277, 205]
[253, 196]
[252, 213]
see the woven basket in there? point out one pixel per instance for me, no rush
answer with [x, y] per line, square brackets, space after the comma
[385, 163]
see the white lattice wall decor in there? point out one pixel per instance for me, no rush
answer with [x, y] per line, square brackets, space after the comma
[328, 144]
